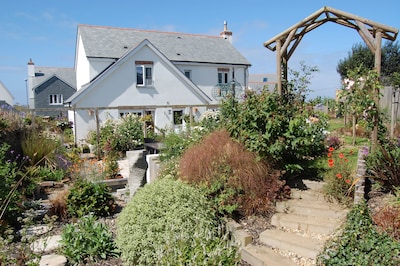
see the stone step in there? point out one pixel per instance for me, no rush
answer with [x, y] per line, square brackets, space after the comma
[263, 256]
[303, 246]
[312, 208]
[314, 185]
[307, 195]
[307, 224]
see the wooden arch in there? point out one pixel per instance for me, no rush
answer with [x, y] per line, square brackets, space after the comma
[286, 42]
[371, 32]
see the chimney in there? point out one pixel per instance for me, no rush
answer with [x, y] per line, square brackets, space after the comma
[227, 35]
[29, 84]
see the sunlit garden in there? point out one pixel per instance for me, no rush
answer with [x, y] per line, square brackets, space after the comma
[233, 163]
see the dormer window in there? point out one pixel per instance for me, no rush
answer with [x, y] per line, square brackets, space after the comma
[144, 73]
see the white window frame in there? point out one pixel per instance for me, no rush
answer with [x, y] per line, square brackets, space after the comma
[56, 99]
[147, 75]
[223, 76]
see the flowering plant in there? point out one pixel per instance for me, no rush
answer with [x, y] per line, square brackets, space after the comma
[339, 177]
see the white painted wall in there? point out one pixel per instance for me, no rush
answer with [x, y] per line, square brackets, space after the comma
[82, 66]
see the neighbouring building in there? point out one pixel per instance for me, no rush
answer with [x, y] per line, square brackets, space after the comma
[48, 88]
[5, 95]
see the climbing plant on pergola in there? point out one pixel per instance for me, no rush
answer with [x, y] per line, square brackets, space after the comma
[371, 32]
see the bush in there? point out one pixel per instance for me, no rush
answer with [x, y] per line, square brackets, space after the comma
[232, 177]
[168, 222]
[86, 197]
[281, 132]
[120, 135]
[384, 165]
[87, 241]
[360, 244]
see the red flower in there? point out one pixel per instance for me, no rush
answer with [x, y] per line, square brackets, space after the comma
[331, 149]
[341, 155]
[329, 155]
[331, 162]
[339, 176]
[348, 181]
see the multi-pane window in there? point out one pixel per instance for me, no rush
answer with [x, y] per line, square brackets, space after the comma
[144, 73]
[223, 74]
[55, 99]
[178, 117]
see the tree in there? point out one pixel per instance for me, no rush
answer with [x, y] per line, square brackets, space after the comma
[361, 56]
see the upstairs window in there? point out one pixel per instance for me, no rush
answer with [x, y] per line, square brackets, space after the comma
[144, 73]
[223, 74]
[55, 99]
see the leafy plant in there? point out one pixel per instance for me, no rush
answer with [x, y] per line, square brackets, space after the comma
[87, 241]
[37, 146]
[87, 197]
[360, 244]
[384, 164]
[171, 223]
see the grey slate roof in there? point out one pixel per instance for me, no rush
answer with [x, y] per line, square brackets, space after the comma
[109, 42]
[44, 73]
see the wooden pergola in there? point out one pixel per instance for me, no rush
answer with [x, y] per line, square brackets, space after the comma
[286, 42]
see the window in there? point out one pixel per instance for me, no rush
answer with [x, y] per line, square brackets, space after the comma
[223, 74]
[178, 117]
[55, 99]
[188, 74]
[144, 73]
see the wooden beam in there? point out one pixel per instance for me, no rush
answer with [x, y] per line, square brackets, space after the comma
[278, 66]
[366, 36]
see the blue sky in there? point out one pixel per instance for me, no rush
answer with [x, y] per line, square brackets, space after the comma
[45, 30]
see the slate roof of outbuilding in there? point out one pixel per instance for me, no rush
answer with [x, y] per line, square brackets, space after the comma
[110, 42]
[44, 73]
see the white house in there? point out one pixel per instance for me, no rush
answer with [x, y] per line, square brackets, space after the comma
[166, 74]
[5, 95]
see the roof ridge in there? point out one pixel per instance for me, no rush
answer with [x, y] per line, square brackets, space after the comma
[155, 31]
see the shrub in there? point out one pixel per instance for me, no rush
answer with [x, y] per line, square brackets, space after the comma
[231, 176]
[339, 177]
[384, 165]
[360, 244]
[8, 176]
[87, 197]
[121, 134]
[87, 241]
[168, 222]
[279, 131]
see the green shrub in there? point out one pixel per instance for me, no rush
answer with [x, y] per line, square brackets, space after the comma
[280, 131]
[120, 135]
[384, 165]
[168, 222]
[8, 176]
[87, 241]
[87, 197]
[360, 244]
[45, 173]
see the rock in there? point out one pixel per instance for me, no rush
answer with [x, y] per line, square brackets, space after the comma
[46, 244]
[53, 260]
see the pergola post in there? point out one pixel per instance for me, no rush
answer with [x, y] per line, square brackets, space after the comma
[279, 66]
[378, 63]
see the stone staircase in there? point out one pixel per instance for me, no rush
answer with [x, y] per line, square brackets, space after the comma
[301, 226]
